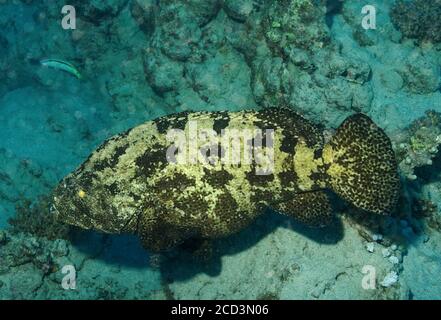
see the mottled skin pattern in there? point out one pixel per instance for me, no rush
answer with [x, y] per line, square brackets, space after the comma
[128, 184]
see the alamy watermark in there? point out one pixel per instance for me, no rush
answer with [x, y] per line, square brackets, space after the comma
[369, 21]
[232, 147]
[69, 21]
[368, 282]
[69, 281]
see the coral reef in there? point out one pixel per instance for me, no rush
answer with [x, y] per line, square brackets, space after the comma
[240, 10]
[421, 75]
[418, 19]
[144, 58]
[38, 220]
[423, 208]
[295, 23]
[96, 11]
[32, 268]
[418, 145]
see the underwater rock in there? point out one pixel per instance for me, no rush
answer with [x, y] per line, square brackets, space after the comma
[144, 13]
[162, 73]
[289, 270]
[370, 247]
[418, 19]
[393, 259]
[177, 34]
[238, 10]
[328, 83]
[392, 80]
[313, 83]
[421, 269]
[421, 76]
[32, 267]
[377, 237]
[266, 83]
[385, 252]
[124, 32]
[203, 10]
[419, 144]
[297, 23]
[131, 88]
[390, 279]
[241, 40]
[38, 220]
[20, 179]
[221, 81]
[343, 95]
[93, 41]
[425, 209]
[97, 11]
[357, 72]
[384, 30]
[352, 70]
[362, 98]
[23, 249]
[338, 94]
[25, 282]
[365, 38]
[302, 59]
[3, 237]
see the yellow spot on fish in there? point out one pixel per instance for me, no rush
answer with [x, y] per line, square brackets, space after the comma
[335, 170]
[81, 193]
[304, 165]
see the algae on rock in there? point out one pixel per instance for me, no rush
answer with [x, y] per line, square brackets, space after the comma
[38, 220]
[420, 144]
[296, 23]
[418, 19]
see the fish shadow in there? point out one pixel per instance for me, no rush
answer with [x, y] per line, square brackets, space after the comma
[430, 173]
[123, 250]
[181, 265]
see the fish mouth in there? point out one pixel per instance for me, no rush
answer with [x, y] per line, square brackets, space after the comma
[65, 211]
[53, 209]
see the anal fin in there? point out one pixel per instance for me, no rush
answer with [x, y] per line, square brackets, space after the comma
[312, 208]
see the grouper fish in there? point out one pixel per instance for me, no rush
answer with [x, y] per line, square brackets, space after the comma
[139, 182]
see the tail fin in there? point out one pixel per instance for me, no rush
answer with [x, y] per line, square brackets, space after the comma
[361, 166]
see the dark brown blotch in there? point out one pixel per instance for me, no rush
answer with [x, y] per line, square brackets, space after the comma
[177, 183]
[155, 158]
[174, 121]
[119, 151]
[221, 121]
[217, 178]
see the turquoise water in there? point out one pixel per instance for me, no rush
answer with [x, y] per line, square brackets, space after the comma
[142, 59]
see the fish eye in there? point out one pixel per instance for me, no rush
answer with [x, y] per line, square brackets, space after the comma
[81, 193]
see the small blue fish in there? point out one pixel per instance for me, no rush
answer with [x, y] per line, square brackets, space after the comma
[61, 65]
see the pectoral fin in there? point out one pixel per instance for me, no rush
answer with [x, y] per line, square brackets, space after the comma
[158, 234]
[311, 208]
[159, 237]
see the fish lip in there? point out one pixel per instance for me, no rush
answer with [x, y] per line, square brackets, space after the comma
[53, 209]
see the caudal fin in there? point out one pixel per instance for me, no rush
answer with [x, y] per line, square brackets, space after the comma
[361, 165]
